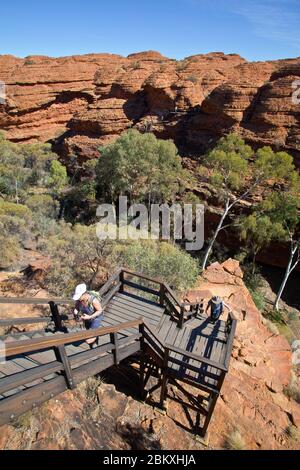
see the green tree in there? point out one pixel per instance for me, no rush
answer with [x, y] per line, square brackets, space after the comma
[58, 178]
[275, 218]
[141, 167]
[258, 230]
[283, 208]
[235, 176]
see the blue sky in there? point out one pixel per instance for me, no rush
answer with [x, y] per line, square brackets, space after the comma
[255, 29]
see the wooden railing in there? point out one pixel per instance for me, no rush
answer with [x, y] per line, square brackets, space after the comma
[164, 354]
[69, 370]
[121, 281]
[165, 296]
[231, 325]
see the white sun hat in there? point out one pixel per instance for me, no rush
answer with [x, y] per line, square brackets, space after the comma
[79, 291]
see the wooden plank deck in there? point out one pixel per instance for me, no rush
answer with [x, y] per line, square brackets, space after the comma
[197, 336]
[200, 337]
[42, 364]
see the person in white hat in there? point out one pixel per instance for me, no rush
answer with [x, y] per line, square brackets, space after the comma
[216, 305]
[88, 309]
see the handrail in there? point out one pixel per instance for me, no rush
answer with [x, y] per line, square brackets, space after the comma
[33, 301]
[108, 290]
[193, 356]
[172, 294]
[230, 339]
[147, 327]
[188, 354]
[17, 347]
[142, 276]
[110, 281]
[24, 320]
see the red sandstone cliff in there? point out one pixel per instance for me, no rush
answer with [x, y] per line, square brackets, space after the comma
[85, 101]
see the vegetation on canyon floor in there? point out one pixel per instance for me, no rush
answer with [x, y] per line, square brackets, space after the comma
[40, 203]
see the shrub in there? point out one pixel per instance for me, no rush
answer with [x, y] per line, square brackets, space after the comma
[181, 65]
[90, 387]
[272, 327]
[258, 299]
[78, 255]
[159, 259]
[293, 433]
[23, 166]
[235, 441]
[136, 65]
[10, 251]
[193, 79]
[253, 280]
[15, 210]
[293, 390]
[42, 205]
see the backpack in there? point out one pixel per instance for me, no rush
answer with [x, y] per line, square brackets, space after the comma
[216, 311]
[95, 295]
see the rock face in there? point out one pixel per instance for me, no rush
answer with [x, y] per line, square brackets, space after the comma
[252, 398]
[82, 102]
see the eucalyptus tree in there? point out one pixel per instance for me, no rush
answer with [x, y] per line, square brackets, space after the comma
[236, 173]
[140, 166]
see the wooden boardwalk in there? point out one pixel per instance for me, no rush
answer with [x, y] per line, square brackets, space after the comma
[174, 342]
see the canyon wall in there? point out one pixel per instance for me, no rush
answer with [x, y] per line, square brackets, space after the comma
[82, 102]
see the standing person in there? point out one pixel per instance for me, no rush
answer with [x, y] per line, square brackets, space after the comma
[216, 305]
[88, 309]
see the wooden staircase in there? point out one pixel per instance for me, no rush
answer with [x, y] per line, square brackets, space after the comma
[175, 344]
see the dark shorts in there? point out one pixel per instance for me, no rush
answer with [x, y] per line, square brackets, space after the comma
[94, 323]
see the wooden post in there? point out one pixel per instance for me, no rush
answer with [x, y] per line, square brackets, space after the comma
[121, 277]
[211, 406]
[56, 317]
[114, 341]
[164, 384]
[181, 318]
[142, 362]
[162, 295]
[61, 355]
[212, 403]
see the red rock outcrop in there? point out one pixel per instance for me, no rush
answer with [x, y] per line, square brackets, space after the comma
[82, 102]
[252, 398]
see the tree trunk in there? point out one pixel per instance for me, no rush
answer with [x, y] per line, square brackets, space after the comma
[211, 244]
[288, 271]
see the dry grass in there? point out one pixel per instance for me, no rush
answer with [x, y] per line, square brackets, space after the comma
[293, 433]
[24, 421]
[234, 441]
[272, 327]
[293, 390]
[90, 386]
